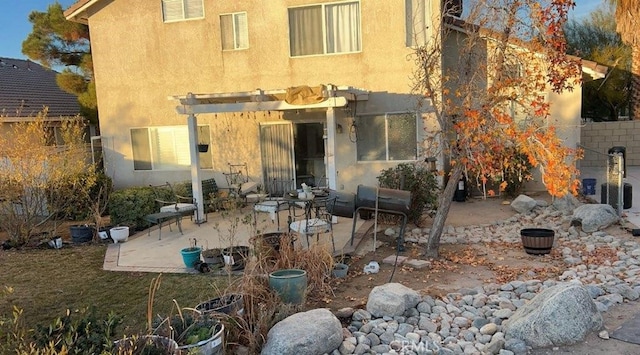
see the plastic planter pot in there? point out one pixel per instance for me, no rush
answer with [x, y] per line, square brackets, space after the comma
[81, 234]
[213, 257]
[119, 234]
[190, 256]
[227, 304]
[289, 284]
[236, 257]
[211, 346]
[340, 270]
[537, 241]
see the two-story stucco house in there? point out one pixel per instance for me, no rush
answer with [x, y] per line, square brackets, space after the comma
[297, 89]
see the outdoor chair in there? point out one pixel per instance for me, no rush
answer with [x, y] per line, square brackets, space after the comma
[168, 201]
[274, 201]
[322, 207]
[240, 185]
[210, 198]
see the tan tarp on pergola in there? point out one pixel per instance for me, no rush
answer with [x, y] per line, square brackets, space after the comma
[304, 95]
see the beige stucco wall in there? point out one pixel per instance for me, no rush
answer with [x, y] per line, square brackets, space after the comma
[139, 61]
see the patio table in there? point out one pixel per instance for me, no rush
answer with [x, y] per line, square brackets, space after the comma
[161, 217]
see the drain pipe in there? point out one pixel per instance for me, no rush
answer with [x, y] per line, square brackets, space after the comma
[375, 221]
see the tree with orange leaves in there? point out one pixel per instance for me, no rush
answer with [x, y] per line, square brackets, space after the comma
[488, 77]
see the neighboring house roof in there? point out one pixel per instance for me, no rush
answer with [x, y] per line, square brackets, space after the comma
[591, 69]
[27, 87]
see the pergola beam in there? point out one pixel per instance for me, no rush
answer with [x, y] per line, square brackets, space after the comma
[186, 109]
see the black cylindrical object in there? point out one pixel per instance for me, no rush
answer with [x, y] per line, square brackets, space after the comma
[388, 199]
[612, 190]
[623, 152]
[345, 203]
[461, 190]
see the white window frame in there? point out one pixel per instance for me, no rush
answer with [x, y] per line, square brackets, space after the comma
[185, 4]
[418, 18]
[387, 116]
[325, 35]
[237, 40]
[177, 148]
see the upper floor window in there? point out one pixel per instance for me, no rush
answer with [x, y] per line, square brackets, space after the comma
[167, 148]
[178, 10]
[325, 29]
[417, 22]
[388, 137]
[234, 31]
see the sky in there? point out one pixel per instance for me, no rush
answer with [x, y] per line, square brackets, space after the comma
[15, 25]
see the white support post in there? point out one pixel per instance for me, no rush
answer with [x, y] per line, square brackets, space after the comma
[196, 182]
[330, 151]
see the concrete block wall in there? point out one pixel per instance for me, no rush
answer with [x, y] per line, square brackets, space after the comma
[597, 137]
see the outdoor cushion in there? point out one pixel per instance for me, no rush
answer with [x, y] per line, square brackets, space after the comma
[310, 226]
[247, 187]
[271, 206]
[178, 207]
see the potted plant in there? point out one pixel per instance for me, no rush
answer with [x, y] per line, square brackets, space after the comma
[235, 256]
[191, 254]
[227, 304]
[213, 257]
[194, 332]
[146, 344]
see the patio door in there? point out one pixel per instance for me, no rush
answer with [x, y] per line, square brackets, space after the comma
[276, 147]
[309, 153]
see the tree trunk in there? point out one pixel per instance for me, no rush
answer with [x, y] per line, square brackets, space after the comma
[444, 204]
[634, 98]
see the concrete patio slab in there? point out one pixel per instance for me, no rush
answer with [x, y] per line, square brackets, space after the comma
[144, 252]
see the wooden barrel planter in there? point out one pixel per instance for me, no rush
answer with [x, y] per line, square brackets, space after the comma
[537, 241]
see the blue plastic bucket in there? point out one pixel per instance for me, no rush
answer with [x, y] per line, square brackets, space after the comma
[588, 186]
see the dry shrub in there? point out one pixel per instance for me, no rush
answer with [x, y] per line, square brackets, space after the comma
[262, 307]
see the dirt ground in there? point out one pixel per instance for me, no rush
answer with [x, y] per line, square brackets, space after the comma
[468, 266]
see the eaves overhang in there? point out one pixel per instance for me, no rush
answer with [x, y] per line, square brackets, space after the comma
[78, 11]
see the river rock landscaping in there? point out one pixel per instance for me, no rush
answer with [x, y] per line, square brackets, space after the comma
[475, 320]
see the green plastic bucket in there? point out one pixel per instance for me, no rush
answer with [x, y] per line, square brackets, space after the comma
[289, 284]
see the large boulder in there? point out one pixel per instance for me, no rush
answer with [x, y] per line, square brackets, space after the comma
[316, 331]
[560, 315]
[593, 217]
[523, 204]
[391, 299]
[566, 204]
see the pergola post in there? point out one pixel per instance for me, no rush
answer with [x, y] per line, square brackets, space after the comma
[330, 145]
[196, 182]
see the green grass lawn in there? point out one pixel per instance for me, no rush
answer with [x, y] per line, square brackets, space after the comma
[47, 282]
